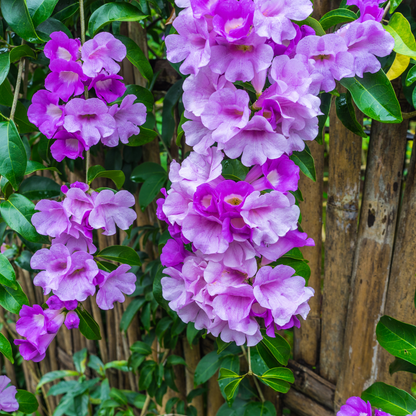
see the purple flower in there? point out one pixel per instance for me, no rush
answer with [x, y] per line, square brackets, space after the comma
[256, 142]
[78, 203]
[173, 253]
[197, 135]
[239, 61]
[55, 303]
[62, 47]
[232, 196]
[329, 58]
[355, 406]
[192, 44]
[108, 87]
[227, 111]
[68, 145]
[34, 352]
[100, 53]
[127, 117]
[8, 402]
[32, 322]
[365, 41]
[66, 79]
[252, 335]
[72, 320]
[78, 238]
[89, 118]
[273, 19]
[203, 7]
[46, 113]
[282, 293]
[112, 209]
[53, 218]
[233, 19]
[114, 285]
[369, 9]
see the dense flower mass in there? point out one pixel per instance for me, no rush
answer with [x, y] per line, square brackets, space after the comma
[356, 406]
[8, 402]
[234, 230]
[76, 124]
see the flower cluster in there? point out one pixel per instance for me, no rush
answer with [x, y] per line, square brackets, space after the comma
[233, 230]
[356, 406]
[8, 402]
[68, 269]
[76, 124]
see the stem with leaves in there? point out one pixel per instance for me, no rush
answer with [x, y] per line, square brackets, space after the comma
[250, 373]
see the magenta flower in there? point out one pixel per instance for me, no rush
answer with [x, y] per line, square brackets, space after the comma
[365, 41]
[257, 142]
[78, 203]
[127, 117]
[66, 79]
[62, 47]
[100, 53]
[192, 44]
[355, 407]
[46, 113]
[112, 209]
[55, 303]
[108, 87]
[68, 145]
[52, 220]
[252, 335]
[197, 135]
[369, 9]
[89, 118]
[113, 286]
[329, 58]
[72, 320]
[78, 238]
[242, 59]
[32, 322]
[173, 253]
[8, 402]
[233, 19]
[273, 19]
[227, 111]
[34, 352]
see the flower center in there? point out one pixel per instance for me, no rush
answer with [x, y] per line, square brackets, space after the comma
[233, 199]
[104, 85]
[233, 24]
[321, 57]
[68, 76]
[206, 201]
[63, 53]
[53, 111]
[245, 48]
[273, 177]
[88, 116]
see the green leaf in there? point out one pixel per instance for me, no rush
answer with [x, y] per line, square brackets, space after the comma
[12, 154]
[326, 99]
[18, 18]
[221, 345]
[87, 325]
[390, 399]
[346, 113]
[157, 290]
[151, 188]
[113, 12]
[6, 348]
[175, 360]
[80, 360]
[20, 52]
[143, 95]
[121, 365]
[335, 17]
[131, 312]
[21, 120]
[121, 254]
[280, 373]
[145, 136]
[398, 338]
[401, 365]
[278, 347]
[259, 409]
[97, 171]
[136, 56]
[36, 188]
[4, 66]
[266, 355]
[225, 373]
[51, 25]
[67, 12]
[146, 170]
[277, 385]
[7, 274]
[12, 299]
[314, 24]
[27, 402]
[394, 4]
[168, 121]
[404, 40]
[146, 375]
[33, 166]
[40, 10]
[301, 267]
[17, 212]
[207, 367]
[234, 170]
[305, 162]
[375, 97]
[411, 76]
[141, 348]
[230, 389]
[6, 95]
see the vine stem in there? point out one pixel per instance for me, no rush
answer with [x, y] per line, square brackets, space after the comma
[409, 115]
[386, 10]
[250, 372]
[146, 405]
[17, 89]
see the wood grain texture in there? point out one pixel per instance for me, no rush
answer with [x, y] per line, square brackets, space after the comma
[303, 405]
[402, 282]
[306, 341]
[372, 260]
[340, 241]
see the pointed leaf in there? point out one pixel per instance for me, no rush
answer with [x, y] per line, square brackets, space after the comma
[335, 17]
[278, 346]
[150, 189]
[20, 52]
[40, 10]
[12, 299]
[33, 166]
[277, 385]
[404, 40]
[147, 170]
[225, 373]
[117, 176]
[145, 136]
[401, 365]
[411, 76]
[6, 348]
[326, 99]
[230, 389]
[87, 325]
[305, 162]
[346, 113]
[281, 373]
[121, 254]
[400, 64]
[314, 24]
[259, 409]
[28, 403]
[7, 274]
[4, 66]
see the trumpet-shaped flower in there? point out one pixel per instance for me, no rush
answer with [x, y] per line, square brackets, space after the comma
[8, 402]
[62, 47]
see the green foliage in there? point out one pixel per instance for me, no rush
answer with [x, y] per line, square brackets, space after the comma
[305, 162]
[336, 17]
[120, 254]
[117, 176]
[346, 113]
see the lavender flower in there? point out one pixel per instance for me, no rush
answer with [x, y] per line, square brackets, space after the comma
[8, 402]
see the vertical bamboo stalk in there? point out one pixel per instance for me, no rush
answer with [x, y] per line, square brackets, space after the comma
[340, 241]
[402, 281]
[306, 341]
[372, 259]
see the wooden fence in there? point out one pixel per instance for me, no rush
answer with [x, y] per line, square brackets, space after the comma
[368, 270]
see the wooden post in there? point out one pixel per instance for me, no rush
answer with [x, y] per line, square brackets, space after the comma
[372, 259]
[402, 282]
[340, 241]
[306, 342]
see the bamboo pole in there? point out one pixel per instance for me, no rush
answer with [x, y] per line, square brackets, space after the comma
[340, 241]
[372, 259]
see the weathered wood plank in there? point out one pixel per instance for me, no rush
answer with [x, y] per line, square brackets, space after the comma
[303, 405]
